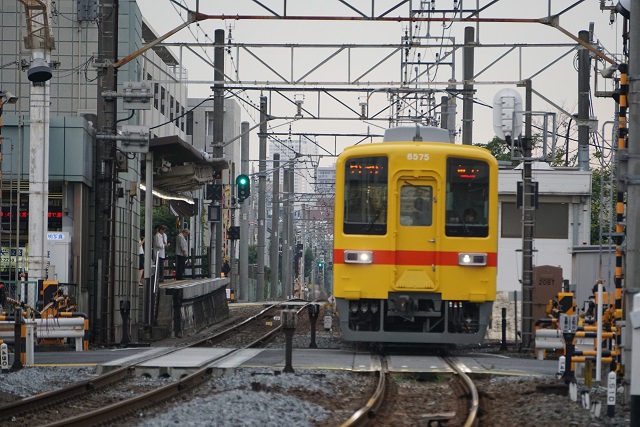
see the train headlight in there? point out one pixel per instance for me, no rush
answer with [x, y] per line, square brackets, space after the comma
[353, 306]
[472, 259]
[358, 257]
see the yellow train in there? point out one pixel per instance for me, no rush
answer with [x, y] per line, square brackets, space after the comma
[415, 239]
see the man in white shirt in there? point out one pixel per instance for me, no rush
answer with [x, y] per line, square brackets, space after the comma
[160, 245]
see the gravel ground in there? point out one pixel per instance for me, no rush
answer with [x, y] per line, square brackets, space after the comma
[265, 398]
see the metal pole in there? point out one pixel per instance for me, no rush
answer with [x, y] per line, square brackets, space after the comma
[275, 224]
[218, 136]
[148, 237]
[291, 233]
[584, 72]
[105, 187]
[286, 288]
[262, 186]
[243, 286]
[528, 223]
[467, 100]
[632, 263]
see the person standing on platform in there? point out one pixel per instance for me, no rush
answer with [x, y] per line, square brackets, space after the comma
[226, 268]
[141, 259]
[160, 245]
[181, 253]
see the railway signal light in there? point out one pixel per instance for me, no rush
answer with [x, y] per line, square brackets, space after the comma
[244, 187]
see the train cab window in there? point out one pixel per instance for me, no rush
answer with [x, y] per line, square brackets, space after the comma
[416, 205]
[365, 195]
[467, 198]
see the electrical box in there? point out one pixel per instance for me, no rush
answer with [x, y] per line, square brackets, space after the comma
[58, 256]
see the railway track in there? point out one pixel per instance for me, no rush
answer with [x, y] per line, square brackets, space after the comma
[254, 332]
[388, 404]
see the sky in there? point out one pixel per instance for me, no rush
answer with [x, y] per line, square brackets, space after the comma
[551, 69]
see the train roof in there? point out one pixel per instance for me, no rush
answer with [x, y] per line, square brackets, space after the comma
[416, 133]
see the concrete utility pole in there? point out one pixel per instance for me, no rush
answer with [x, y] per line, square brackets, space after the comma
[291, 232]
[584, 73]
[40, 42]
[286, 278]
[243, 286]
[275, 224]
[218, 134]
[467, 100]
[103, 296]
[262, 188]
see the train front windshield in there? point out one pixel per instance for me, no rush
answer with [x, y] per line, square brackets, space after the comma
[365, 195]
[467, 198]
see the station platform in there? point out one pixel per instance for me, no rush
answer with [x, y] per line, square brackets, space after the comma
[169, 362]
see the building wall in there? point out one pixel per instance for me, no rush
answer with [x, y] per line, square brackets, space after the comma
[73, 90]
[567, 186]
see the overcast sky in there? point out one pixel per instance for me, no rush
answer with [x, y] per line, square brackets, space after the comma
[553, 78]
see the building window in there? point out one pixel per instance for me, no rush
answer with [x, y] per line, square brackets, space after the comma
[171, 107]
[190, 122]
[182, 119]
[156, 87]
[208, 119]
[551, 221]
[162, 102]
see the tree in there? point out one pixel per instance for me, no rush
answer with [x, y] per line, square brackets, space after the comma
[162, 216]
[499, 148]
[253, 254]
[603, 205]
[308, 262]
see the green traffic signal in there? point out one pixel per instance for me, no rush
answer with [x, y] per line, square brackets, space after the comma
[244, 187]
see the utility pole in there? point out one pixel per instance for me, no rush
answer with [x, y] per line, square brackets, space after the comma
[584, 64]
[292, 233]
[218, 135]
[275, 224]
[467, 100]
[103, 296]
[528, 208]
[40, 42]
[262, 186]
[632, 263]
[243, 286]
[286, 279]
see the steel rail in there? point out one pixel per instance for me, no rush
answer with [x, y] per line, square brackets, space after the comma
[37, 402]
[362, 415]
[117, 410]
[112, 412]
[470, 387]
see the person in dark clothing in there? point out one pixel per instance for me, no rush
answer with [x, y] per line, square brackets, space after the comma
[226, 268]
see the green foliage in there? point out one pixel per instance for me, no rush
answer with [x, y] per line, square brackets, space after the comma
[499, 148]
[162, 216]
[253, 254]
[603, 205]
[308, 262]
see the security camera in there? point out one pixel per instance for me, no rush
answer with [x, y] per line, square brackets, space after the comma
[39, 71]
[9, 98]
[608, 72]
